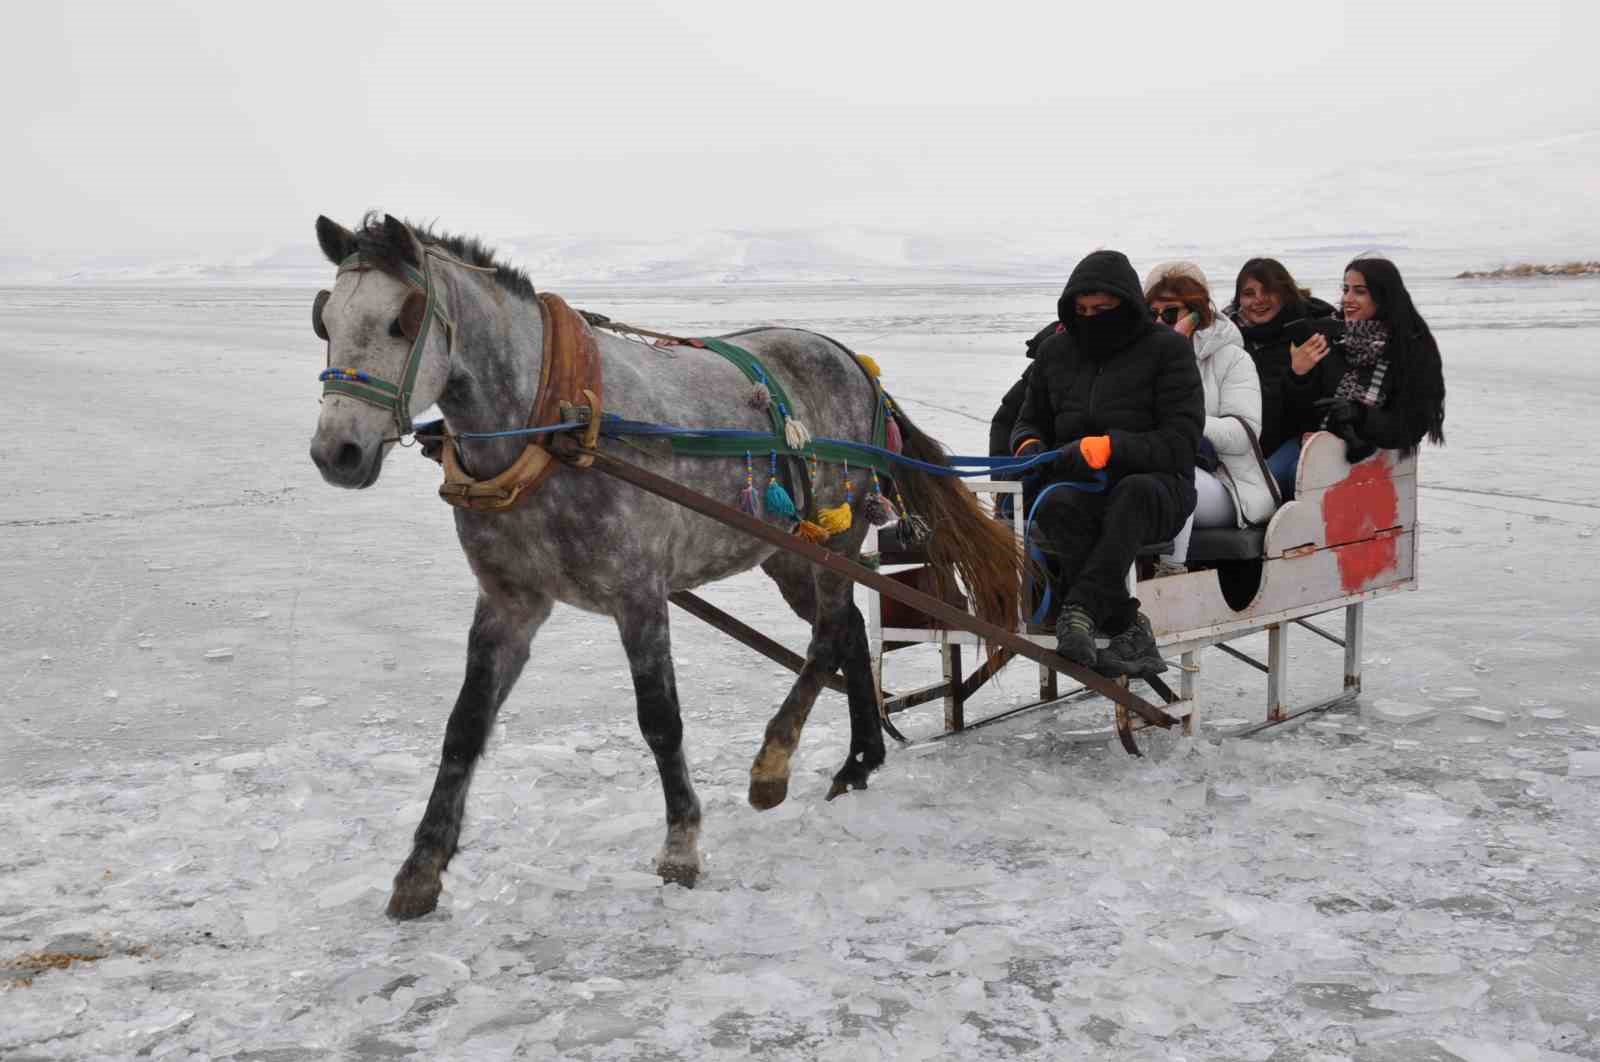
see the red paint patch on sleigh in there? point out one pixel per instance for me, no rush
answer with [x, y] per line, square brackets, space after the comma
[1354, 511]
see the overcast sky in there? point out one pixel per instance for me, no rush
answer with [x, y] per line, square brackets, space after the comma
[169, 127]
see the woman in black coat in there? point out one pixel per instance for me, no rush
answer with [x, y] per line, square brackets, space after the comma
[1378, 383]
[1270, 309]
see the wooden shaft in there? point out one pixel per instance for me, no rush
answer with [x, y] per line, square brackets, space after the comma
[954, 617]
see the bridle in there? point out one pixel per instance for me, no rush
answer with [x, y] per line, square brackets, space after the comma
[569, 387]
[392, 396]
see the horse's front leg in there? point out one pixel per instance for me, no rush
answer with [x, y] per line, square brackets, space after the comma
[769, 775]
[497, 649]
[647, 639]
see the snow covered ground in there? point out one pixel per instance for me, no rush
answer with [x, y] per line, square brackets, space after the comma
[223, 685]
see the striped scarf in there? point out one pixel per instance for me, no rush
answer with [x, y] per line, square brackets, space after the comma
[1366, 367]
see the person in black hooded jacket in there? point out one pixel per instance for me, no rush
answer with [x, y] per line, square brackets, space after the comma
[1119, 393]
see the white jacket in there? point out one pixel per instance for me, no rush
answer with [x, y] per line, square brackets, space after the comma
[1233, 390]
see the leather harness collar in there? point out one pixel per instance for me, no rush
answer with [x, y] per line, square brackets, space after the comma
[570, 379]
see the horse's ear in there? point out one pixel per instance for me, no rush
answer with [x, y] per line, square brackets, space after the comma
[411, 312]
[399, 237]
[336, 241]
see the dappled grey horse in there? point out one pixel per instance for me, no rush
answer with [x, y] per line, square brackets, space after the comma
[592, 541]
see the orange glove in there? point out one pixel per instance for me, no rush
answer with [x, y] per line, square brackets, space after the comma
[1096, 450]
[1027, 445]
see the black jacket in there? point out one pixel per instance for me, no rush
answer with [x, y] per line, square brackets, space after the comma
[1143, 390]
[1413, 404]
[1268, 345]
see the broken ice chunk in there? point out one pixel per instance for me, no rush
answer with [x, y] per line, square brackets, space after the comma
[219, 655]
[311, 700]
[1401, 713]
[1548, 713]
[1583, 764]
[1486, 715]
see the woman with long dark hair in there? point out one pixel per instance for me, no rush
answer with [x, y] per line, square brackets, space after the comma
[1380, 383]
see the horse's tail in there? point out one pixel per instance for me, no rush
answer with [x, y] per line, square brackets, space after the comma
[965, 539]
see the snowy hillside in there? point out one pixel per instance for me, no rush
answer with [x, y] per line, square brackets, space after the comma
[1475, 208]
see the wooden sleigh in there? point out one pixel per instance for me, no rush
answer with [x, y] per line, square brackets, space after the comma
[1349, 535]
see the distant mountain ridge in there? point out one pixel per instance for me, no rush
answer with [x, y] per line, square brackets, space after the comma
[1456, 210]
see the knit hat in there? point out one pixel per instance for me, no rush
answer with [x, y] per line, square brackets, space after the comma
[1172, 269]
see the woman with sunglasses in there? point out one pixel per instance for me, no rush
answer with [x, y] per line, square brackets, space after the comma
[1269, 308]
[1230, 480]
[1379, 384]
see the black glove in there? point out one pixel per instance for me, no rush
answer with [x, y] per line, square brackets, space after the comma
[1071, 464]
[1344, 420]
[1207, 457]
[1342, 412]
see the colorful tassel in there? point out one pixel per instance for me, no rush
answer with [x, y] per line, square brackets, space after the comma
[914, 530]
[811, 532]
[891, 434]
[878, 510]
[868, 364]
[836, 520]
[797, 435]
[875, 508]
[839, 518]
[747, 497]
[778, 502]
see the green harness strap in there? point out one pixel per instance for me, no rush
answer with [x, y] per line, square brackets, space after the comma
[781, 411]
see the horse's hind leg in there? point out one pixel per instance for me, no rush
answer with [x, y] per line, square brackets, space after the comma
[646, 637]
[838, 638]
[497, 649]
[866, 727]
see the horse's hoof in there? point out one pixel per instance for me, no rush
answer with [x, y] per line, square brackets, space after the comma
[766, 795]
[685, 874]
[413, 899]
[841, 786]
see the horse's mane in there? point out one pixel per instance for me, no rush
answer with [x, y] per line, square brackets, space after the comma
[373, 241]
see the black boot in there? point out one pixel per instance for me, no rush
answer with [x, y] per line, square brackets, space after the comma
[1132, 653]
[1075, 635]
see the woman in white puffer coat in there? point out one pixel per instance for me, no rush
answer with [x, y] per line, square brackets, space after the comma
[1231, 481]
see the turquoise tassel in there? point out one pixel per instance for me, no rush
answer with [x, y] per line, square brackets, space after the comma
[778, 502]
[747, 501]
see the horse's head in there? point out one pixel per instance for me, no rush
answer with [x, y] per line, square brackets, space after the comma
[388, 342]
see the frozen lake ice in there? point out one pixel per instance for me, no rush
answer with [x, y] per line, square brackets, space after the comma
[223, 685]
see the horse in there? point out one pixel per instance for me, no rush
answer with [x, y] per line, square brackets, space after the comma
[594, 542]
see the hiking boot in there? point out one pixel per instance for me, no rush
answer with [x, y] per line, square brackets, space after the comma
[1132, 653]
[1075, 635]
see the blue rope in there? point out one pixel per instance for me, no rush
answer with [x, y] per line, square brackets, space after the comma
[963, 465]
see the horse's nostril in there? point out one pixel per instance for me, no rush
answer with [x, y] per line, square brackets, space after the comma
[348, 459]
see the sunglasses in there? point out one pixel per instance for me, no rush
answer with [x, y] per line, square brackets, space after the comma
[1172, 314]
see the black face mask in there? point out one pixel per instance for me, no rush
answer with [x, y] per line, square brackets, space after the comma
[1105, 333]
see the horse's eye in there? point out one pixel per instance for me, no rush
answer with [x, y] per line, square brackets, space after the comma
[394, 329]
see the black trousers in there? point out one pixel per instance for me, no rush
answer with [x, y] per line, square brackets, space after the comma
[1091, 540]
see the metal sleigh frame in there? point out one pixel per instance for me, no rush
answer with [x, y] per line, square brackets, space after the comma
[1348, 537]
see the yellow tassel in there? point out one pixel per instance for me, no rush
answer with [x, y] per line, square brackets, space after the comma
[836, 519]
[811, 532]
[868, 364]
